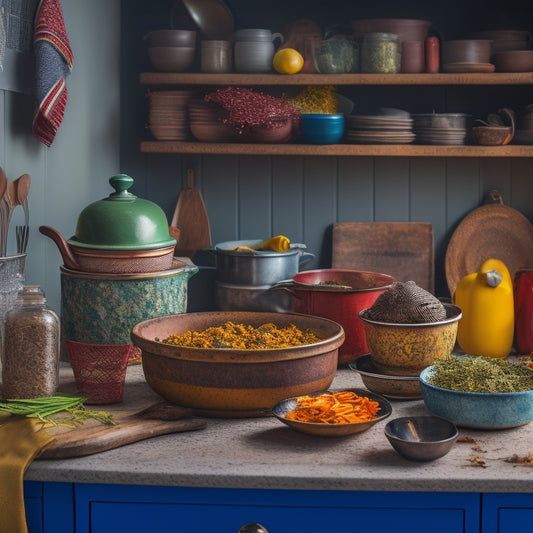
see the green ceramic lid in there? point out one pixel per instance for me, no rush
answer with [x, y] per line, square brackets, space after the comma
[122, 221]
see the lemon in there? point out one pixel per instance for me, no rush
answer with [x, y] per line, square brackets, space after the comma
[288, 61]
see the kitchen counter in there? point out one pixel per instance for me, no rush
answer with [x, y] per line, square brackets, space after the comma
[262, 453]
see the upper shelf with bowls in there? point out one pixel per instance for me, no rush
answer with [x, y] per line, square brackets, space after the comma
[167, 80]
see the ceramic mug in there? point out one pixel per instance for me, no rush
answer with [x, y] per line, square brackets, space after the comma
[254, 49]
[253, 56]
[413, 57]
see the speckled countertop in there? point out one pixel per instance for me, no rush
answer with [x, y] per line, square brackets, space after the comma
[263, 453]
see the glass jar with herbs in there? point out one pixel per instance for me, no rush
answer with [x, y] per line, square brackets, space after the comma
[30, 368]
[381, 53]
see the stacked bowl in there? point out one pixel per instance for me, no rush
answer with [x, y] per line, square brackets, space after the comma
[171, 50]
[441, 128]
[206, 124]
[167, 114]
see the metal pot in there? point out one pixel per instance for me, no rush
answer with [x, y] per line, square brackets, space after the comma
[231, 297]
[338, 294]
[102, 308]
[257, 267]
[118, 234]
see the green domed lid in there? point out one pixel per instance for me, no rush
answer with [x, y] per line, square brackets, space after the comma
[122, 221]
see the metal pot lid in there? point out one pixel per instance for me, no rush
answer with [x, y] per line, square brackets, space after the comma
[122, 221]
[229, 248]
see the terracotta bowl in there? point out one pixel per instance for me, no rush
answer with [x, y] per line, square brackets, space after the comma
[514, 61]
[281, 133]
[466, 51]
[231, 383]
[406, 349]
[172, 58]
[492, 135]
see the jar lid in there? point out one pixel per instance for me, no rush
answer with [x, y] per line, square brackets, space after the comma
[122, 221]
[30, 294]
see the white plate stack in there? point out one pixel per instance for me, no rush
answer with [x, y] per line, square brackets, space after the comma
[379, 129]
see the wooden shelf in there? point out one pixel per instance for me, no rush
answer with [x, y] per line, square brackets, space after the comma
[377, 150]
[193, 78]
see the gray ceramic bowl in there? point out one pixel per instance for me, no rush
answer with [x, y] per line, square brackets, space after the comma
[392, 387]
[478, 410]
[421, 438]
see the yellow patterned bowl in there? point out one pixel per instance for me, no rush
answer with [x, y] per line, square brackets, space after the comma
[406, 349]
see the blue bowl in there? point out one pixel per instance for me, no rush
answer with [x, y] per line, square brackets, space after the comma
[477, 410]
[322, 128]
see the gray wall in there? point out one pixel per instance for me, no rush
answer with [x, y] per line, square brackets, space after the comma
[74, 170]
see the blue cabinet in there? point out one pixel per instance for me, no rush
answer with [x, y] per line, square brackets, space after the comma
[97, 508]
[507, 513]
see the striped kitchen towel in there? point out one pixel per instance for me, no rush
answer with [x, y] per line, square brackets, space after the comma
[53, 62]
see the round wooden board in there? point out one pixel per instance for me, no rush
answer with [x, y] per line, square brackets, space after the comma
[490, 231]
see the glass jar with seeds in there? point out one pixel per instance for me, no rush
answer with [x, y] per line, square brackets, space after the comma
[381, 53]
[30, 367]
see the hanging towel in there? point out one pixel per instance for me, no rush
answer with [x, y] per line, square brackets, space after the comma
[53, 62]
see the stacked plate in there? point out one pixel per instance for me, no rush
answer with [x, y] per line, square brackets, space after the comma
[441, 128]
[379, 129]
[167, 114]
[206, 125]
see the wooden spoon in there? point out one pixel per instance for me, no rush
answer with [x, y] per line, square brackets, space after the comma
[22, 185]
[3, 182]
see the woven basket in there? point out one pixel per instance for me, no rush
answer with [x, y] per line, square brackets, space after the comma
[99, 370]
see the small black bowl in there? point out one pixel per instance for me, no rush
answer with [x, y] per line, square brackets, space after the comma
[421, 438]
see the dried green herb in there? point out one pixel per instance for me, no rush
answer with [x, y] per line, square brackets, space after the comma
[481, 374]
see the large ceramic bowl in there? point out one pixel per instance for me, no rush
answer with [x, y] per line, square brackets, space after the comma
[477, 410]
[406, 349]
[236, 383]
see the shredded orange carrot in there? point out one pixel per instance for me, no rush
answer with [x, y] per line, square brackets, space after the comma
[344, 407]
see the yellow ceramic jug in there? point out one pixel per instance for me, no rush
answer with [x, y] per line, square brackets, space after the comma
[486, 299]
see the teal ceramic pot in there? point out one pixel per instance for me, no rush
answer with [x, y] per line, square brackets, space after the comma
[103, 308]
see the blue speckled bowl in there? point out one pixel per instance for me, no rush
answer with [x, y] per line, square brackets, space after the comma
[477, 410]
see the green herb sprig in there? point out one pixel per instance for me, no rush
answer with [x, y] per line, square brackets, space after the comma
[59, 409]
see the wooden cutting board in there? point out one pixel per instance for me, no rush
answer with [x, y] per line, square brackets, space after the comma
[404, 250]
[94, 437]
[190, 217]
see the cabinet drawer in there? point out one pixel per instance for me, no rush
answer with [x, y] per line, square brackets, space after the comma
[507, 513]
[147, 509]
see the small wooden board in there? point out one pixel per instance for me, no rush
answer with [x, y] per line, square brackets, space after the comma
[404, 250]
[94, 437]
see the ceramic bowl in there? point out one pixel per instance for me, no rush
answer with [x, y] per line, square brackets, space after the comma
[171, 38]
[466, 51]
[406, 349]
[492, 135]
[514, 61]
[477, 410]
[421, 438]
[172, 58]
[280, 133]
[232, 383]
[281, 409]
[322, 128]
[392, 387]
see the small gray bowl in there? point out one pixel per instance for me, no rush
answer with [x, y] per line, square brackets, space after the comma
[421, 438]
[477, 410]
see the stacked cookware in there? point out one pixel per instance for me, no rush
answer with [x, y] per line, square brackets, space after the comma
[119, 268]
[244, 275]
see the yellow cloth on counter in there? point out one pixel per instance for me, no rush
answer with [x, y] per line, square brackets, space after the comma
[20, 442]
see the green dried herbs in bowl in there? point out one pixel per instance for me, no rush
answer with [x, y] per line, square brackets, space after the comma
[478, 392]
